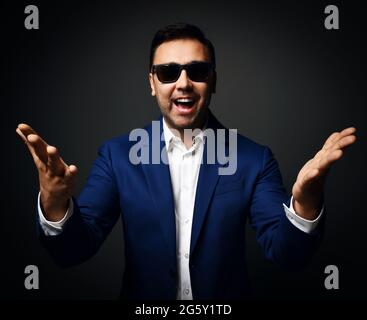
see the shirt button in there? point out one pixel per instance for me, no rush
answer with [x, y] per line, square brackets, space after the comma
[186, 255]
[187, 291]
[187, 221]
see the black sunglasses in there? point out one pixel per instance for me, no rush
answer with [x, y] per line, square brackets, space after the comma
[196, 71]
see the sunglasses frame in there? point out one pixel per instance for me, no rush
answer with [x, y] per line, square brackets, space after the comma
[182, 67]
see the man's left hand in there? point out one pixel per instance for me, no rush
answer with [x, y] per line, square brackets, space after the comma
[309, 187]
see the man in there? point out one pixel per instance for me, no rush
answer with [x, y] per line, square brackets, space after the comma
[184, 223]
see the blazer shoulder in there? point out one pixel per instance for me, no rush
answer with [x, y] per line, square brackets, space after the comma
[125, 141]
[115, 150]
[248, 146]
[119, 142]
[252, 155]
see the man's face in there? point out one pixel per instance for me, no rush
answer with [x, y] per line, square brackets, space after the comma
[178, 113]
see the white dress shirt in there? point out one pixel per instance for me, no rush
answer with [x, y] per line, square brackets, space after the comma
[184, 165]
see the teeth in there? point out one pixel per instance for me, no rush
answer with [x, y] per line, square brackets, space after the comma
[184, 100]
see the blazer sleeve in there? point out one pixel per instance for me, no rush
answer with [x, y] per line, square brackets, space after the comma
[95, 213]
[281, 241]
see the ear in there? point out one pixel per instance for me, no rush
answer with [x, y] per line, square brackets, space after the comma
[214, 82]
[151, 81]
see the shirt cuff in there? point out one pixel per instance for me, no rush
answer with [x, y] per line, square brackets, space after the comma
[53, 228]
[303, 224]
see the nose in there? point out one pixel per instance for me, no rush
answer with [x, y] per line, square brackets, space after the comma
[183, 82]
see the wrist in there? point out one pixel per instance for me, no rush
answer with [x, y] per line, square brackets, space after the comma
[53, 208]
[306, 212]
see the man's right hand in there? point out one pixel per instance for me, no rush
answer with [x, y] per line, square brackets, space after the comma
[56, 178]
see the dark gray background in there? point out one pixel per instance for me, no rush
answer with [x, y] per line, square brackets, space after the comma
[283, 80]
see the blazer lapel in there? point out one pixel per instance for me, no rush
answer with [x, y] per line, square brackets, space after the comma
[208, 179]
[159, 183]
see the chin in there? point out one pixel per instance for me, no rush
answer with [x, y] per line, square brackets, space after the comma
[182, 123]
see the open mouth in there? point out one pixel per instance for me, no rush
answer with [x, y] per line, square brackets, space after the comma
[184, 102]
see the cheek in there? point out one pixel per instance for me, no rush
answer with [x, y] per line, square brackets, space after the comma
[164, 93]
[203, 90]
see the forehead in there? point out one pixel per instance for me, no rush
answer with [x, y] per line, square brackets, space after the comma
[181, 51]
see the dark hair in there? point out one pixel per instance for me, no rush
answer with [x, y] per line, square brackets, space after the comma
[180, 31]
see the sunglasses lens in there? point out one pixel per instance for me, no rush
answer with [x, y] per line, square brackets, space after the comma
[168, 73]
[198, 72]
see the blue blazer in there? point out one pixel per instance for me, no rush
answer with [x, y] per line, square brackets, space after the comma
[142, 195]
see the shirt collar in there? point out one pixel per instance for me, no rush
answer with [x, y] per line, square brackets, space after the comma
[171, 139]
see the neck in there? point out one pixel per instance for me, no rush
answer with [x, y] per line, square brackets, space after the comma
[187, 134]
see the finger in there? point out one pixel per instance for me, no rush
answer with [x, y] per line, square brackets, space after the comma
[20, 133]
[344, 133]
[344, 142]
[348, 131]
[39, 147]
[23, 130]
[71, 171]
[36, 159]
[26, 129]
[330, 140]
[337, 136]
[55, 165]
